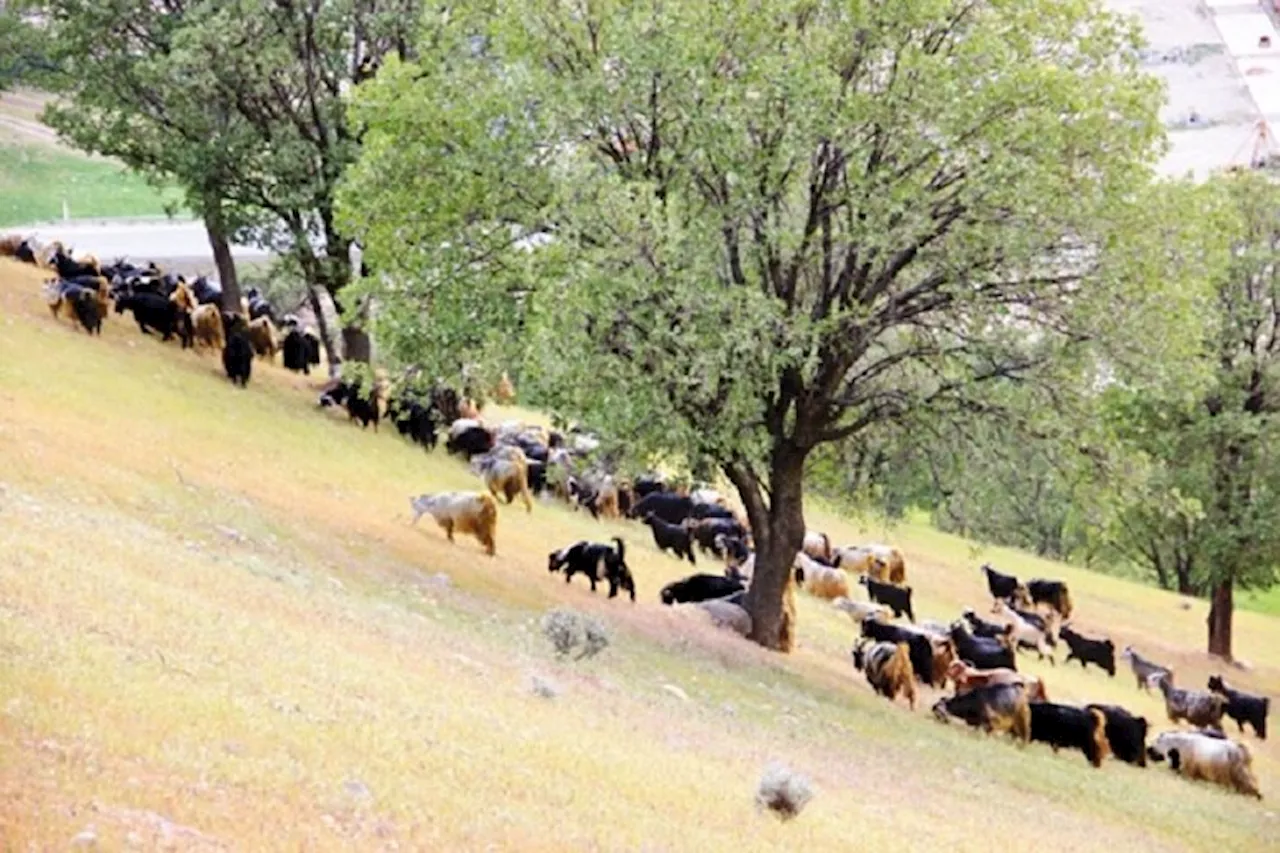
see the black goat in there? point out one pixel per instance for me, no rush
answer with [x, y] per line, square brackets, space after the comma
[896, 598]
[1088, 651]
[648, 484]
[700, 587]
[87, 309]
[152, 311]
[1001, 585]
[668, 506]
[1243, 707]
[469, 442]
[237, 353]
[980, 627]
[671, 537]
[1126, 734]
[983, 652]
[1070, 727]
[587, 557]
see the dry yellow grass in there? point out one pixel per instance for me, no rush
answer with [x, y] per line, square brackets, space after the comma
[217, 630]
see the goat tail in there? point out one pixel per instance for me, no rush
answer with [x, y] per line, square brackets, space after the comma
[622, 549]
[826, 547]
[1101, 747]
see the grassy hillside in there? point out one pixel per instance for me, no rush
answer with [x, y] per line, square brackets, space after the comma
[218, 629]
[37, 174]
[35, 180]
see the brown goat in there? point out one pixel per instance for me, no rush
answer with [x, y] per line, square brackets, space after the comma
[463, 512]
[966, 678]
[262, 335]
[505, 392]
[206, 321]
[888, 670]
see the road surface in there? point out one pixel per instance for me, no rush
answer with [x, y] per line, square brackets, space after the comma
[157, 240]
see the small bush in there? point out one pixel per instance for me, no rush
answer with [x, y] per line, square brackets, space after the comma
[783, 792]
[568, 630]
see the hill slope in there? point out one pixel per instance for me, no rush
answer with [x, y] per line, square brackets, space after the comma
[219, 630]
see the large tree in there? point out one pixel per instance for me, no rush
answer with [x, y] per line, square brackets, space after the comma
[770, 226]
[1208, 520]
[242, 103]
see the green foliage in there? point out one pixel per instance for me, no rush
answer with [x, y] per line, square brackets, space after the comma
[1207, 512]
[773, 226]
[23, 55]
[762, 226]
[241, 102]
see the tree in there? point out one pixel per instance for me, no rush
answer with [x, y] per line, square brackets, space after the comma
[242, 102]
[769, 227]
[1208, 520]
[22, 57]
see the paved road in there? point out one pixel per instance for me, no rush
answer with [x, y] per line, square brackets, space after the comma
[139, 240]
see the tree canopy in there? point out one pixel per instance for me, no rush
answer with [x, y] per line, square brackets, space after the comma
[1205, 519]
[239, 101]
[770, 226]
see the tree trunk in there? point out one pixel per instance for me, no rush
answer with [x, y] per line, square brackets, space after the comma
[778, 531]
[326, 325]
[319, 294]
[215, 226]
[1221, 610]
[1185, 586]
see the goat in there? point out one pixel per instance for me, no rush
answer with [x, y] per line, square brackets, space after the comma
[237, 354]
[587, 557]
[980, 627]
[821, 581]
[1197, 707]
[671, 537]
[1100, 653]
[466, 512]
[896, 598]
[295, 351]
[1024, 634]
[817, 545]
[467, 437]
[1070, 727]
[887, 667]
[1126, 734]
[1001, 586]
[1217, 760]
[982, 652]
[706, 531]
[506, 473]
[967, 678]
[699, 587]
[1243, 707]
[1051, 592]
[668, 506]
[882, 562]
[1146, 672]
[995, 708]
[152, 311]
[262, 334]
[919, 645]
[206, 321]
[860, 610]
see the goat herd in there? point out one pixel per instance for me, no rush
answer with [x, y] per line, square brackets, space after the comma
[516, 461]
[85, 289]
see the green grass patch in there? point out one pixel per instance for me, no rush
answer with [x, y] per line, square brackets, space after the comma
[36, 180]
